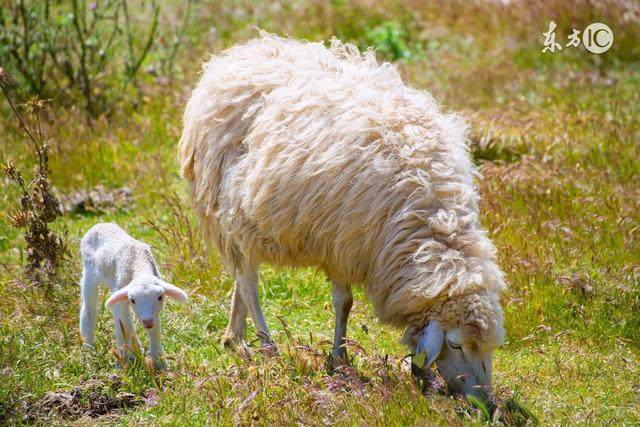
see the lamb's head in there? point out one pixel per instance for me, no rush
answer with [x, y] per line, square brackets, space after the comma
[145, 294]
[462, 346]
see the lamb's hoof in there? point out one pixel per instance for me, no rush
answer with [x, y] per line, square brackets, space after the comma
[124, 359]
[88, 348]
[133, 354]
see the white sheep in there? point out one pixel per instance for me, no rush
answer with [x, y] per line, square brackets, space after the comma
[126, 266]
[302, 155]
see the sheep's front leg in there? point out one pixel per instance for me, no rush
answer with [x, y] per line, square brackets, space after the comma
[247, 284]
[342, 302]
[88, 308]
[155, 347]
[237, 328]
[126, 337]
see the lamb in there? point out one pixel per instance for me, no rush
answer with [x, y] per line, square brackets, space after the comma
[126, 266]
[302, 155]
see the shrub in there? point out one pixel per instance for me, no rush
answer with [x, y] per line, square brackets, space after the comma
[390, 40]
[37, 206]
[95, 50]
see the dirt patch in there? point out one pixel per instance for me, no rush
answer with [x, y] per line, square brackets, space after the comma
[97, 200]
[93, 398]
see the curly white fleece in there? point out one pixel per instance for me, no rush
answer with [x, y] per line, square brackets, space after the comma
[301, 155]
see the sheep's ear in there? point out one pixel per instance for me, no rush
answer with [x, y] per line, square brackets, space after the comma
[175, 293]
[117, 297]
[429, 344]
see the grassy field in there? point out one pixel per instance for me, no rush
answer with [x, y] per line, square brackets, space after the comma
[556, 136]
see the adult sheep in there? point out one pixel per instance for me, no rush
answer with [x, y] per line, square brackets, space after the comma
[302, 155]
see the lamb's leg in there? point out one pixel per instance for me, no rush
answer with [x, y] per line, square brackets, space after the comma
[237, 328]
[133, 342]
[126, 337]
[155, 347]
[342, 302]
[247, 284]
[88, 308]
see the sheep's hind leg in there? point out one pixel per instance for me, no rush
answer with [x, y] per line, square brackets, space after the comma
[342, 302]
[237, 328]
[247, 284]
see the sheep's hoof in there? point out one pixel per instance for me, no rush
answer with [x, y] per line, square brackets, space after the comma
[269, 348]
[231, 341]
[338, 360]
[160, 365]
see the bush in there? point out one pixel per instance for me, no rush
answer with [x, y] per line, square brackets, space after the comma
[390, 40]
[37, 206]
[95, 50]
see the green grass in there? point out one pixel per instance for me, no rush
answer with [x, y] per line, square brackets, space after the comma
[556, 138]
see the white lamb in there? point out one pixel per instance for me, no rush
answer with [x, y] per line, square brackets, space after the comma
[126, 266]
[301, 155]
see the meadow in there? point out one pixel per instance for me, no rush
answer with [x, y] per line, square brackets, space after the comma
[556, 136]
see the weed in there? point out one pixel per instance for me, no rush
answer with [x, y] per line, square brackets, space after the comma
[37, 205]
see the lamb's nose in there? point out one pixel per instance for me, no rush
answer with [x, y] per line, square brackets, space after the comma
[148, 323]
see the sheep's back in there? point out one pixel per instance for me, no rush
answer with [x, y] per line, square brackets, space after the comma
[301, 155]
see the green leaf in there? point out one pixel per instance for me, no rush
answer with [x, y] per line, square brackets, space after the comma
[419, 359]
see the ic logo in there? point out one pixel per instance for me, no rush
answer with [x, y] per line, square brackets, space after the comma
[597, 38]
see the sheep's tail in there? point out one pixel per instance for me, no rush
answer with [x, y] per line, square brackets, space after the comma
[219, 115]
[186, 151]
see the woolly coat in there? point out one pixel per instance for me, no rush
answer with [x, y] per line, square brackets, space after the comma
[302, 155]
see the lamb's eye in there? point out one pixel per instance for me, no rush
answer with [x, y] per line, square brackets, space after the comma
[132, 301]
[160, 298]
[454, 345]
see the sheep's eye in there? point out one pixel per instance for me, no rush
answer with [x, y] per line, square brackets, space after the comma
[454, 345]
[160, 298]
[132, 301]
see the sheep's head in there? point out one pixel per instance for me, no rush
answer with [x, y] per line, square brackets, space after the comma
[146, 295]
[462, 352]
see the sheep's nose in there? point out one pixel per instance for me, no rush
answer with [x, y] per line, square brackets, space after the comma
[148, 323]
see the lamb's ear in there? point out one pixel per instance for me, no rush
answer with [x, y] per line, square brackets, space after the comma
[430, 343]
[175, 293]
[117, 297]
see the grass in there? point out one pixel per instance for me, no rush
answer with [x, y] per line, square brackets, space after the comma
[556, 138]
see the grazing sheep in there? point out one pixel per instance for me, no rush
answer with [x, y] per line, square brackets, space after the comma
[113, 258]
[306, 156]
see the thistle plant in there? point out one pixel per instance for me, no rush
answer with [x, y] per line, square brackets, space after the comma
[37, 205]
